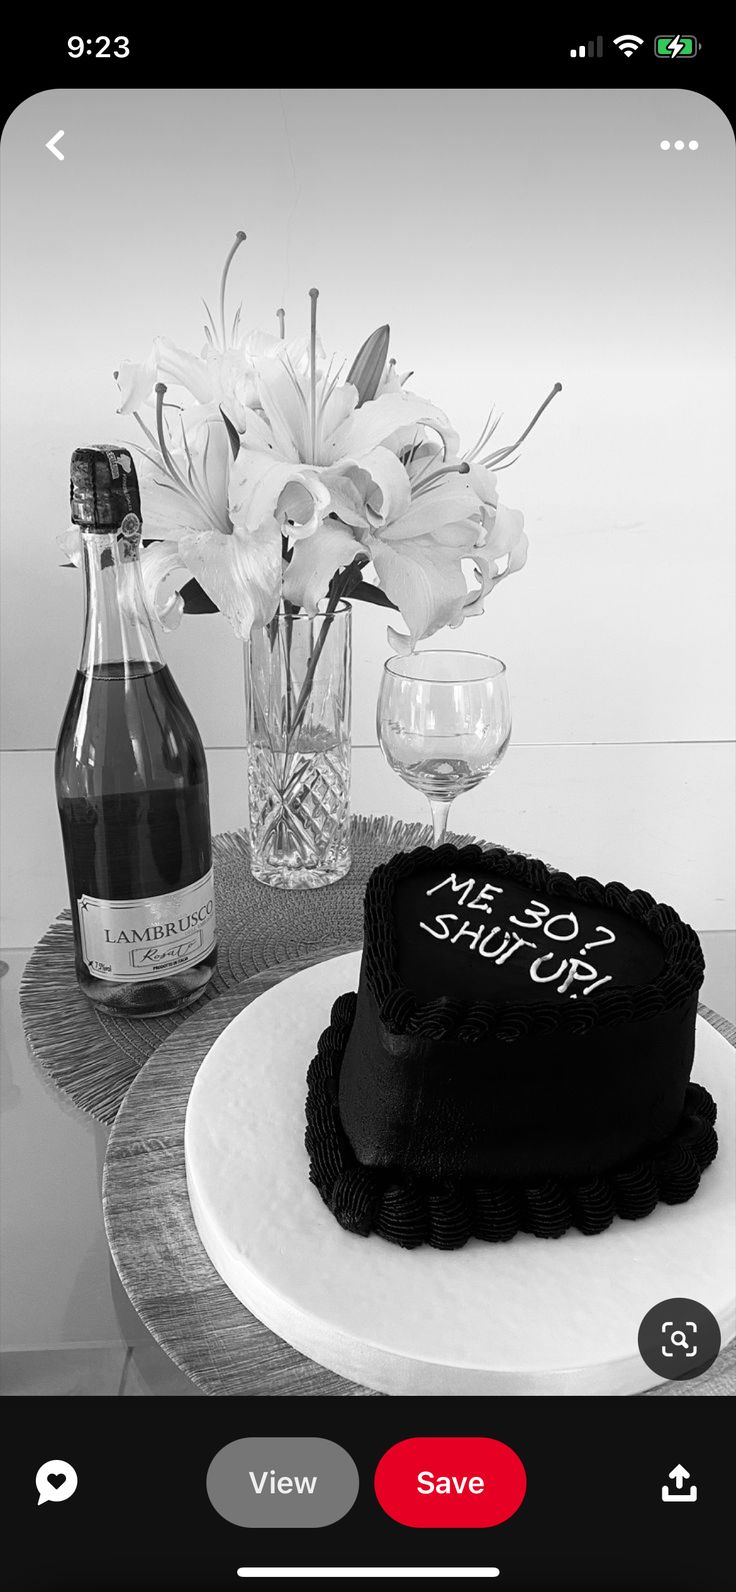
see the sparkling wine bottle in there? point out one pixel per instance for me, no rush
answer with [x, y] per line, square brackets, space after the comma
[131, 776]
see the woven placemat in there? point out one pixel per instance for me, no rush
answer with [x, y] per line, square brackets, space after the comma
[164, 1268]
[93, 1057]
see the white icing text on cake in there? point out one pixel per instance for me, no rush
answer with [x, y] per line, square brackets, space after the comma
[499, 942]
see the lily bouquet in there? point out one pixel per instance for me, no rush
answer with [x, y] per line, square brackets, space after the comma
[271, 478]
[275, 484]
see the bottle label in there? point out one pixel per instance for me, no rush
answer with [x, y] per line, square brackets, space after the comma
[134, 942]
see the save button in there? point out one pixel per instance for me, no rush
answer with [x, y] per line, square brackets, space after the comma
[450, 1481]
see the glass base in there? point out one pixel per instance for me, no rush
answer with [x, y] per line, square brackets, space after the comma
[298, 700]
[281, 877]
[155, 999]
[299, 817]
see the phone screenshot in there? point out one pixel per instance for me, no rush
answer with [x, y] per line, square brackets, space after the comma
[368, 1196]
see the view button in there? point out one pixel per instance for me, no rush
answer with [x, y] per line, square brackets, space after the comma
[282, 1482]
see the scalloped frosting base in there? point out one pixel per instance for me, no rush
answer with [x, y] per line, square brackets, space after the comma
[409, 1210]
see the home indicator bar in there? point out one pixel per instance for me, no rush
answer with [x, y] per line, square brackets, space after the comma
[367, 1573]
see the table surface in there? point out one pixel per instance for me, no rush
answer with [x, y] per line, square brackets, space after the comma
[614, 811]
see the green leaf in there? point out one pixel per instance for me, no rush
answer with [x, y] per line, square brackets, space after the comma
[232, 433]
[365, 593]
[369, 364]
[196, 600]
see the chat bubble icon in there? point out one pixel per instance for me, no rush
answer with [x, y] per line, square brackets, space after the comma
[56, 1481]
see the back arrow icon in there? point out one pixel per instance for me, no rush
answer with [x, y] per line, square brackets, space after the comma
[53, 142]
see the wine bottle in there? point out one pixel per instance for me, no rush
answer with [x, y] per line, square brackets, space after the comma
[131, 775]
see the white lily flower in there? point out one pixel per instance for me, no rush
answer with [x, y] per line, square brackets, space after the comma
[416, 550]
[184, 473]
[241, 573]
[184, 498]
[425, 579]
[314, 562]
[420, 549]
[263, 487]
[324, 475]
[391, 381]
[224, 378]
[164, 574]
[334, 449]
[419, 556]
[234, 372]
[166, 363]
[505, 539]
[371, 491]
[224, 375]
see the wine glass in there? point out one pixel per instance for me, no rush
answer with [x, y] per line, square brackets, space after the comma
[444, 722]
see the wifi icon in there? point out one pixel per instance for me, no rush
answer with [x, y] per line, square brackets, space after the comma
[627, 43]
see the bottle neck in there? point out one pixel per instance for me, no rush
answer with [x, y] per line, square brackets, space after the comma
[118, 627]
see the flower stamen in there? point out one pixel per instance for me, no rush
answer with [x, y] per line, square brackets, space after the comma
[430, 481]
[191, 488]
[314, 295]
[201, 492]
[492, 459]
[485, 436]
[327, 390]
[296, 383]
[145, 429]
[239, 238]
[163, 445]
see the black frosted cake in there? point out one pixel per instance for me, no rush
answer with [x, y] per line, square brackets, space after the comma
[517, 1057]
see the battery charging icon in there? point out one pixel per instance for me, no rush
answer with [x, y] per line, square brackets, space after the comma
[673, 46]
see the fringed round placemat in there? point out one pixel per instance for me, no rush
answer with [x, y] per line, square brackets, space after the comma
[167, 1274]
[93, 1057]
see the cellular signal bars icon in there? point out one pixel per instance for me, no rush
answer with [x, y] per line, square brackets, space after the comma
[595, 47]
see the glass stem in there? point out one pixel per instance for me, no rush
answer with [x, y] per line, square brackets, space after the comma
[440, 813]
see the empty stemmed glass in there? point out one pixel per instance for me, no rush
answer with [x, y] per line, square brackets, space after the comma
[444, 722]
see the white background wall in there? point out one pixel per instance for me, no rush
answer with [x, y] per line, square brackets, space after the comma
[511, 239]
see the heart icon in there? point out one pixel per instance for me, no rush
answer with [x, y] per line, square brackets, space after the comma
[55, 1486]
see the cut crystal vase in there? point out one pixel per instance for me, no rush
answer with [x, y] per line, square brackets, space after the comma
[298, 682]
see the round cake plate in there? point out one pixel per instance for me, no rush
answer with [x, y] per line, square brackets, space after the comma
[525, 1318]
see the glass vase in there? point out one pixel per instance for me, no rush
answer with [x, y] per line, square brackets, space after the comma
[298, 683]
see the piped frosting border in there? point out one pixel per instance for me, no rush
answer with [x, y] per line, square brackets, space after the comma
[410, 1211]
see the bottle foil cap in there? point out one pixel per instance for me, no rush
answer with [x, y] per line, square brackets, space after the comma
[103, 486]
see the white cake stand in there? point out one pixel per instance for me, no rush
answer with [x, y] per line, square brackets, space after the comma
[529, 1317]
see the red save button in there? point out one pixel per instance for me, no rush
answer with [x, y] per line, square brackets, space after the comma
[450, 1481]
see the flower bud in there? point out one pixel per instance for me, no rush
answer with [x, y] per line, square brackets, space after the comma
[368, 366]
